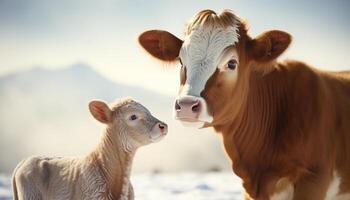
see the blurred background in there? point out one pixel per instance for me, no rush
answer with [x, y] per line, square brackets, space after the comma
[55, 56]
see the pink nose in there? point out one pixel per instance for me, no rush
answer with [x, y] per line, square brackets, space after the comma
[162, 127]
[187, 108]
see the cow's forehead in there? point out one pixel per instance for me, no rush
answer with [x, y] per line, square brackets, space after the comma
[201, 52]
[206, 43]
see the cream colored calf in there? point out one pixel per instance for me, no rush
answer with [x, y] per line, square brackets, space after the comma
[103, 173]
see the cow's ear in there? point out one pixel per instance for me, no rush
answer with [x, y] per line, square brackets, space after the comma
[269, 45]
[161, 44]
[100, 111]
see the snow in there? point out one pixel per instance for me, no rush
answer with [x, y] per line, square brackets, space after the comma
[194, 186]
[171, 186]
[5, 188]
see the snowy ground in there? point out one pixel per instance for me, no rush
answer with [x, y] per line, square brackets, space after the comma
[5, 188]
[177, 186]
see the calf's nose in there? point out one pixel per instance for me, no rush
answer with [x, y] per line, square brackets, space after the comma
[162, 127]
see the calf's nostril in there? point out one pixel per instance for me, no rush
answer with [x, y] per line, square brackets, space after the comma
[163, 128]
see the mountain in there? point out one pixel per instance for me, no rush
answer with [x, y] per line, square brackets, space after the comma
[44, 112]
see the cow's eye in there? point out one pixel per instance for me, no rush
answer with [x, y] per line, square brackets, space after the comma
[232, 64]
[133, 117]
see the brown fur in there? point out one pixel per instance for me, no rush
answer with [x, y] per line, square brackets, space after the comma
[281, 122]
[294, 123]
[288, 121]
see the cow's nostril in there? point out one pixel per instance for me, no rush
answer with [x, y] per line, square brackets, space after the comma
[177, 105]
[195, 107]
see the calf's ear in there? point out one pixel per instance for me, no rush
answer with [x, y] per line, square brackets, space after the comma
[269, 45]
[100, 111]
[161, 44]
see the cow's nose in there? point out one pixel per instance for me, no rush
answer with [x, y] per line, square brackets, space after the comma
[187, 108]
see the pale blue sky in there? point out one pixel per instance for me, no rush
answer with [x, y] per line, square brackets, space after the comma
[103, 33]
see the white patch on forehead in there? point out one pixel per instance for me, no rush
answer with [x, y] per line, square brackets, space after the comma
[201, 52]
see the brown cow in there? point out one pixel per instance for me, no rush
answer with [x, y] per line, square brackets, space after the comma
[285, 125]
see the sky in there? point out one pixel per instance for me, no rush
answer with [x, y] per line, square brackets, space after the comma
[103, 34]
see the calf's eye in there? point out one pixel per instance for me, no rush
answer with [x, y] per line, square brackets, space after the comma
[133, 117]
[232, 64]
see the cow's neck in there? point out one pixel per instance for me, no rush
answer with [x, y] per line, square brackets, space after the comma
[114, 162]
[251, 137]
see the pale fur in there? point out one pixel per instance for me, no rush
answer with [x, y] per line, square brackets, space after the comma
[332, 192]
[101, 175]
[284, 190]
[201, 52]
[333, 189]
[69, 178]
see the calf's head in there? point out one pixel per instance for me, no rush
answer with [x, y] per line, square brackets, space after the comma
[216, 57]
[129, 121]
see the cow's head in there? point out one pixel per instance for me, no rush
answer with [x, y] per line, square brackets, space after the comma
[217, 57]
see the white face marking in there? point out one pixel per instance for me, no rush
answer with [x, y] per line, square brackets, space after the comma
[227, 55]
[286, 194]
[193, 88]
[201, 52]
